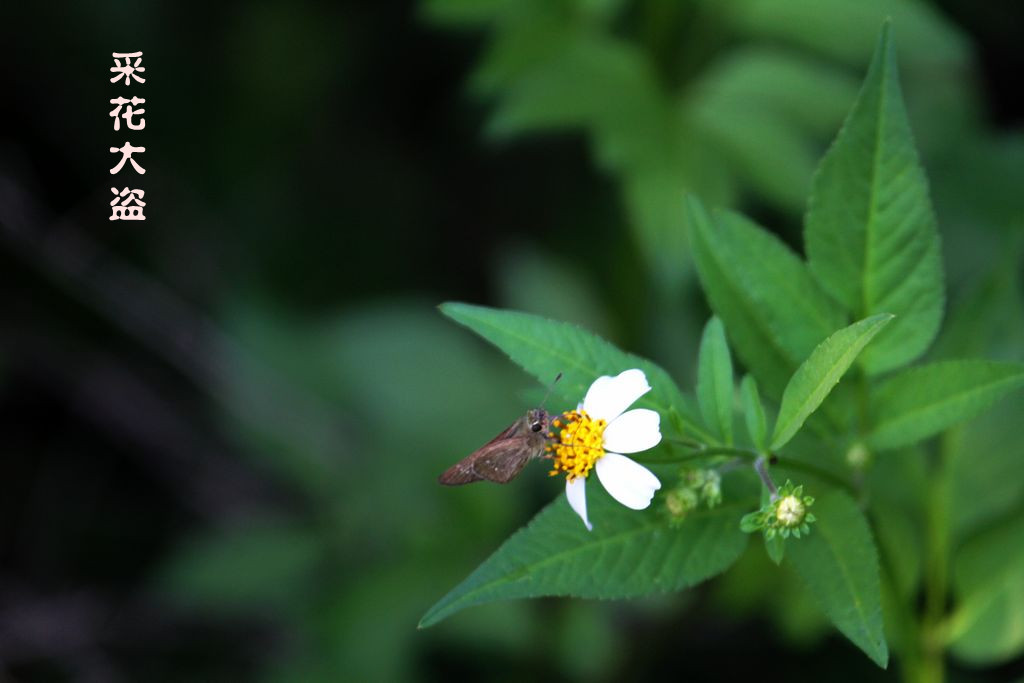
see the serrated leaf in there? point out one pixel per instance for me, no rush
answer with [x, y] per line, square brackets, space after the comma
[822, 370]
[546, 347]
[923, 401]
[839, 565]
[628, 554]
[714, 380]
[870, 230]
[773, 309]
[753, 413]
[988, 624]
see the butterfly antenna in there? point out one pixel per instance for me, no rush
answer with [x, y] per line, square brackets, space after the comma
[550, 388]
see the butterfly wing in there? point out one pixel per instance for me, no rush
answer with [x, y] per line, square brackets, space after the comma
[502, 464]
[501, 458]
[498, 461]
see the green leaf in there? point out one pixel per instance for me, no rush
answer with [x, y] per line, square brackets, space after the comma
[714, 380]
[767, 149]
[776, 548]
[628, 554]
[545, 348]
[988, 487]
[923, 401]
[753, 413]
[841, 29]
[870, 230]
[773, 309]
[988, 627]
[839, 564]
[822, 370]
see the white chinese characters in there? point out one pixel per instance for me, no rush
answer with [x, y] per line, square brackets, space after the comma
[126, 155]
[129, 112]
[121, 206]
[127, 204]
[127, 71]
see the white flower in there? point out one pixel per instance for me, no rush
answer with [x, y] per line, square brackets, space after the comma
[597, 433]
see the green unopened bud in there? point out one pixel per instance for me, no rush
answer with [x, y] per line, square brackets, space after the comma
[858, 456]
[695, 479]
[679, 502]
[711, 491]
[784, 516]
[789, 511]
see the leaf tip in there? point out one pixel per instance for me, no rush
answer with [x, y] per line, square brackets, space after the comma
[455, 309]
[885, 33]
[695, 209]
[881, 655]
[884, 51]
[430, 618]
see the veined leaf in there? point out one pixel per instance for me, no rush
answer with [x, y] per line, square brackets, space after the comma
[753, 413]
[714, 380]
[628, 554]
[822, 370]
[923, 401]
[870, 230]
[839, 564]
[546, 347]
[774, 310]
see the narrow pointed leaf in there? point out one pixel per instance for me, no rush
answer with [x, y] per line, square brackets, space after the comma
[546, 347]
[870, 229]
[822, 370]
[753, 413]
[838, 562]
[923, 401]
[776, 548]
[714, 380]
[628, 554]
[765, 295]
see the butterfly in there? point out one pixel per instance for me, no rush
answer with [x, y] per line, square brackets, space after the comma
[503, 457]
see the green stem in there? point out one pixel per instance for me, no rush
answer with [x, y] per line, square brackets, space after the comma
[937, 558]
[700, 452]
[761, 467]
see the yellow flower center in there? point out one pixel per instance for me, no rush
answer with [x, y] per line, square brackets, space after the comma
[578, 446]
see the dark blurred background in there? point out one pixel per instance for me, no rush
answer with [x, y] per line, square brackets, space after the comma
[220, 428]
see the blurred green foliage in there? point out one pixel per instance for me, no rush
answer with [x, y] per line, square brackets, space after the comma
[728, 100]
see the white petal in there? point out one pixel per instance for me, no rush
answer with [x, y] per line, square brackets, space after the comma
[575, 491]
[634, 431]
[630, 483]
[608, 397]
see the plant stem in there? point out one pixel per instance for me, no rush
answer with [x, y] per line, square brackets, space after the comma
[936, 576]
[701, 451]
[761, 467]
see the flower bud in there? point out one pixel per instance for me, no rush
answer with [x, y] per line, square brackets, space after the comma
[789, 511]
